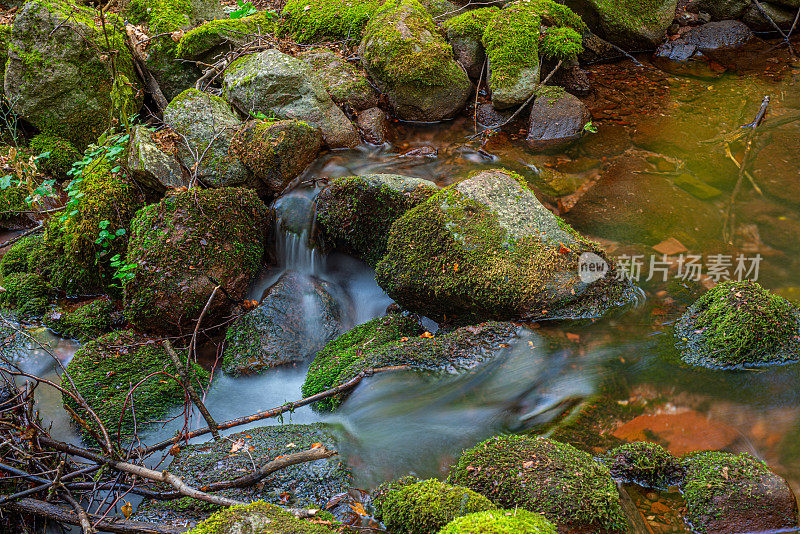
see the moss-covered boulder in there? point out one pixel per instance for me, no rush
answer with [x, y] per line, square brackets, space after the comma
[354, 214]
[26, 294]
[55, 154]
[632, 25]
[565, 485]
[5, 40]
[305, 485]
[465, 33]
[426, 506]
[85, 321]
[257, 517]
[645, 464]
[278, 85]
[500, 522]
[276, 152]
[59, 75]
[726, 494]
[104, 370]
[13, 195]
[295, 318]
[346, 83]
[207, 125]
[212, 37]
[152, 165]
[395, 340]
[739, 324]
[20, 257]
[486, 248]
[309, 21]
[411, 62]
[184, 246]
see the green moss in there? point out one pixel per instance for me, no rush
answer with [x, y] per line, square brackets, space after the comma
[471, 23]
[5, 40]
[739, 324]
[645, 464]
[20, 257]
[562, 483]
[27, 292]
[161, 15]
[561, 44]
[621, 15]
[215, 33]
[315, 20]
[12, 200]
[257, 517]
[500, 522]
[427, 506]
[87, 321]
[104, 370]
[61, 153]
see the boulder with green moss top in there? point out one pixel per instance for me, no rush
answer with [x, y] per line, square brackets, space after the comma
[427, 506]
[557, 119]
[211, 38]
[309, 21]
[726, 494]
[276, 152]
[305, 485]
[151, 165]
[13, 204]
[187, 244]
[739, 325]
[103, 370]
[59, 76]
[56, 154]
[257, 517]
[486, 248]
[26, 294]
[395, 341]
[346, 83]
[465, 31]
[500, 522]
[5, 40]
[84, 322]
[441, 10]
[278, 85]
[295, 318]
[354, 214]
[518, 37]
[565, 485]
[411, 62]
[630, 24]
[20, 257]
[645, 464]
[207, 125]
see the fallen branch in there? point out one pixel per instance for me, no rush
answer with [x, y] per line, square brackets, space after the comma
[147, 77]
[774, 25]
[16, 238]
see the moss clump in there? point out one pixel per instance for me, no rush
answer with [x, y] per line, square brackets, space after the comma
[340, 354]
[27, 292]
[645, 464]
[104, 370]
[21, 256]
[500, 522]
[739, 324]
[315, 20]
[470, 24]
[427, 506]
[215, 33]
[13, 202]
[61, 154]
[87, 321]
[562, 483]
[560, 44]
[257, 517]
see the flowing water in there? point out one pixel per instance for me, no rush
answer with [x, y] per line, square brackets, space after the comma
[656, 132]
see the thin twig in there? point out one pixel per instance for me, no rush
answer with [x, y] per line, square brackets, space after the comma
[16, 238]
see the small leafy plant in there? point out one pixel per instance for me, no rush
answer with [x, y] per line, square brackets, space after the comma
[243, 9]
[590, 127]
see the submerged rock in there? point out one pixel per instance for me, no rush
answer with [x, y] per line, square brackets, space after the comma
[556, 480]
[632, 25]
[346, 83]
[413, 64]
[259, 517]
[152, 166]
[354, 214]
[557, 119]
[739, 324]
[726, 494]
[278, 85]
[486, 248]
[374, 126]
[187, 244]
[691, 52]
[295, 319]
[645, 464]
[501, 522]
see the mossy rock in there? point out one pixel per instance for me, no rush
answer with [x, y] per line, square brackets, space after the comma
[306, 485]
[354, 214]
[631, 24]
[471, 23]
[645, 464]
[26, 293]
[427, 506]
[61, 154]
[187, 244]
[347, 84]
[59, 75]
[739, 325]
[209, 37]
[5, 40]
[257, 517]
[13, 205]
[411, 62]
[85, 322]
[309, 21]
[565, 485]
[153, 166]
[171, 15]
[487, 249]
[725, 493]
[104, 370]
[20, 257]
[500, 522]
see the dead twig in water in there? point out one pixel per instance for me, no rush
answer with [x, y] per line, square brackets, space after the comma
[774, 25]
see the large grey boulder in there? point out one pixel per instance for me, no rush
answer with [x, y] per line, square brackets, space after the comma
[557, 119]
[411, 62]
[346, 83]
[631, 25]
[745, 9]
[278, 85]
[486, 248]
[151, 165]
[59, 75]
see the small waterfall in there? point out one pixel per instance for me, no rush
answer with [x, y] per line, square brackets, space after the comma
[294, 225]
